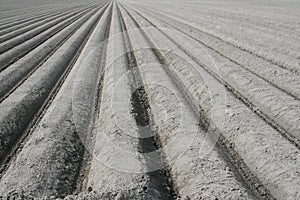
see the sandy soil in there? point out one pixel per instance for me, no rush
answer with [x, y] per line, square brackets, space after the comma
[149, 99]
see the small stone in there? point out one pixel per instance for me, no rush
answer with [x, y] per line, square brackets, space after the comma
[90, 189]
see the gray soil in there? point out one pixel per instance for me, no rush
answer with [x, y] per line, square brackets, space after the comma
[140, 99]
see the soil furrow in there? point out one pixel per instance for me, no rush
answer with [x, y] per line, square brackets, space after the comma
[18, 31]
[265, 138]
[192, 135]
[265, 21]
[249, 36]
[97, 47]
[290, 64]
[7, 45]
[127, 178]
[255, 99]
[31, 17]
[38, 18]
[149, 140]
[23, 110]
[63, 151]
[16, 53]
[223, 146]
[140, 99]
[279, 78]
[21, 70]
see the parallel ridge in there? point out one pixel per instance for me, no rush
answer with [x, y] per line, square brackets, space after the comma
[150, 100]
